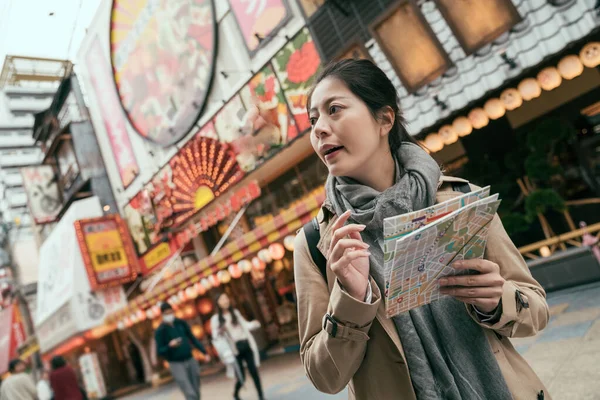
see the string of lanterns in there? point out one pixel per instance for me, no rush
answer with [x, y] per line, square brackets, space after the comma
[274, 252]
[547, 79]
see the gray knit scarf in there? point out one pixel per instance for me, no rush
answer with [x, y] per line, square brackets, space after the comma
[447, 353]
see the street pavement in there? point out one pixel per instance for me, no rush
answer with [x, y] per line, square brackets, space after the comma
[566, 356]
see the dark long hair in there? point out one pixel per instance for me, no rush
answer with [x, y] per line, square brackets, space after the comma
[57, 362]
[234, 319]
[370, 84]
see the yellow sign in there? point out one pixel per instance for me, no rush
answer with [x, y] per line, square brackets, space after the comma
[106, 250]
[156, 256]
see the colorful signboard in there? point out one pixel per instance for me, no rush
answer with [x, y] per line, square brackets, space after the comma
[155, 257]
[107, 251]
[111, 113]
[163, 56]
[200, 172]
[42, 193]
[297, 65]
[12, 335]
[259, 20]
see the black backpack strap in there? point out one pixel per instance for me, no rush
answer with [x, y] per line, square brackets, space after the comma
[462, 187]
[313, 235]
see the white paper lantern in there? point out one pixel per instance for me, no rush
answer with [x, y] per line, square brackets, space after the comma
[462, 126]
[150, 314]
[224, 276]
[121, 325]
[549, 78]
[245, 266]
[570, 67]
[191, 292]
[434, 142]
[288, 242]
[494, 108]
[590, 55]
[529, 89]
[206, 284]
[265, 256]
[511, 98]
[478, 118]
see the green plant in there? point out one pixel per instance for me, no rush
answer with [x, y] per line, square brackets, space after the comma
[543, 200]
[515, 222]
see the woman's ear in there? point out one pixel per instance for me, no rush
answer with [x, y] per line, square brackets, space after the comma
[387, 117]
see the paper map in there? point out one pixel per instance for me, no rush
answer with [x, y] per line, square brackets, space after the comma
[419, 246]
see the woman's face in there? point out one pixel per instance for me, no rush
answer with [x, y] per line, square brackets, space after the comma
[344, 133]
[223, 302]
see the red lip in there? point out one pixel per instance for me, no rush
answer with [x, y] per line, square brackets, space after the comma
[329, 149]
[333, 153]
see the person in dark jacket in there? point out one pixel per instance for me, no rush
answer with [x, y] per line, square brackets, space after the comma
[63, 381]
[174, 341]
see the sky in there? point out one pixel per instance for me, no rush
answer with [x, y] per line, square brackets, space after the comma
[28, 29]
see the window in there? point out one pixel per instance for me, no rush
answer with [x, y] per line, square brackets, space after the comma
[411, 46]
[476, 23]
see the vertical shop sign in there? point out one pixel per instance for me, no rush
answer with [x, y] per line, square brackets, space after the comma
[111, 113]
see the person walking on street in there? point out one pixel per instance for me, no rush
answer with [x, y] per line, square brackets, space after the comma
[44, 391]
[174, 341]
[230, 327]
[63, 381]
[19, 385]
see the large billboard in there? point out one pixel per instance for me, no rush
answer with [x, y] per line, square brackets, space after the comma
[42, 193]
[163, 57]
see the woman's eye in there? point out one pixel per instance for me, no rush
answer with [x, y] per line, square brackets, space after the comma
[313, 121]
[333, 109]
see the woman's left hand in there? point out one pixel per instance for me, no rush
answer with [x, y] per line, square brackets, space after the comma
[483, 290]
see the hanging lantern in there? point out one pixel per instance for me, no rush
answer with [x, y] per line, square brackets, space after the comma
[549, 78]
[121, 325]
[448, 134]
[197, 331]
[223, 276]
[277, 251]
[434, 142]
[277, 266]
[150, 313]
[214, 281]
[181, 296]
[258, 264]
[462, 126]
[570, 67]
[127, 322]
[206, 284]
[155, 324]
[511, 98]
[168, 273]
[265, 256]
[179, 314]
[590, 55]
[245, 266]
[200, 290]
[133, 319]
[478, 118]
[494, 108]
[173, 300]
[205, 306]
[529, 89]
[191, 292]
[288, 242]
[545, 251]
[234, 271]
[140, 315]
[188, 311]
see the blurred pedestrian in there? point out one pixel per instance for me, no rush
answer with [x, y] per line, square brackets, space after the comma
[228, 326]
[63, 381]
[44, 391]
[174, 341]
[19, 385]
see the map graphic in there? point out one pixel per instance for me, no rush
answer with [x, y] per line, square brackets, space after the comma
[420, 246]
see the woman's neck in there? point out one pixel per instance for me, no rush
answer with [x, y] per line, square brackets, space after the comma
[379, 173]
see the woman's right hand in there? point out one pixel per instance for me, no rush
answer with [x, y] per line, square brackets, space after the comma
[348, 257]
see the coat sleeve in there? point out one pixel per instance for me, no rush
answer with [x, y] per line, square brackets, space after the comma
[162, 347]
[524, 308]
[330, 362]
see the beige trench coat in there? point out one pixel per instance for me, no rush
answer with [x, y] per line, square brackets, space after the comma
[366, 353]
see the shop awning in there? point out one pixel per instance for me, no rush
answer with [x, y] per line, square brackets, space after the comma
[275, 230]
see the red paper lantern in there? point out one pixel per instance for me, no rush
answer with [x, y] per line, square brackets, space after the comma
[205, 306]
[200, 290]
[258, 264]
[235, 271]
[214, 281]
[189, 311]
[277, 251]
[198, 331]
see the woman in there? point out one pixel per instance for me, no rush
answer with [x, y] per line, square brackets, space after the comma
[229, 327]
[63, 381]
[44, 391]
[454, 348]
